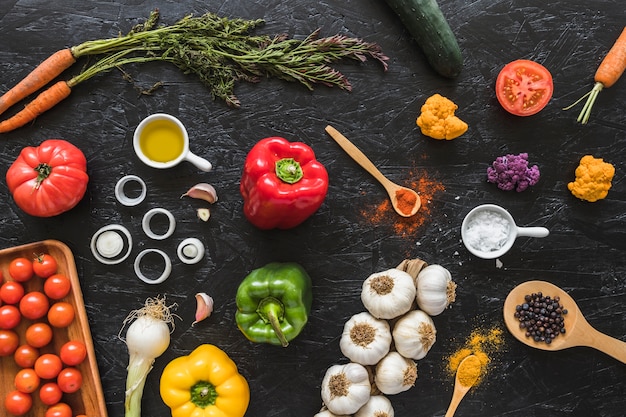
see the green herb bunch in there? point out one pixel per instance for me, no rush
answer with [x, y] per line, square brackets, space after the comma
[222, 51]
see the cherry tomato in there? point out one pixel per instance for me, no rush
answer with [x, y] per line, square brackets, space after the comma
[18, 403]
[11, 292]
[38, 335]
[57, 286]
[524, 87]
[9, 341]
[50, 393]
[61, 314]
[10, 317]
[48, 366]
[73, 353]
[70, 380]
[26, 380]
[21, 269]
[59, 410]
[34, 305]
[45, 265]
[25, 356]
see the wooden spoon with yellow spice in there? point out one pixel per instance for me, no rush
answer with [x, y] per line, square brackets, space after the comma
[405, 201]
[467, 374]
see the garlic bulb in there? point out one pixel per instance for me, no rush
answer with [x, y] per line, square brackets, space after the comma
[435, 289]
[377, 406]
[365, 339]
[395, 374]
[414, 334]
[326, 413]
[346, 388]
[388, 294]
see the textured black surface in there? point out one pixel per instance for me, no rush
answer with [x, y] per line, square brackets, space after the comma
[338, 246]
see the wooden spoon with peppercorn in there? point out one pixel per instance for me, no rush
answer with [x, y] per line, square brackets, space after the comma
[556, 311]
[405, 201]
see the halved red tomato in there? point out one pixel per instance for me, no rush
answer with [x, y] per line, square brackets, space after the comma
[524, 87]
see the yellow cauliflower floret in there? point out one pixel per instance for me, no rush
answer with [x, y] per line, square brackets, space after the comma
[437, 119]
[593, 179]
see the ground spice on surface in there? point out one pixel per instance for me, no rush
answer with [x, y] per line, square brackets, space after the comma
[384, 213]
[481, 343]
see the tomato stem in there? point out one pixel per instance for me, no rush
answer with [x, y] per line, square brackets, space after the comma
[43, 172]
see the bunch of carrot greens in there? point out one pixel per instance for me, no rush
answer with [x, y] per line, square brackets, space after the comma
[219, 50]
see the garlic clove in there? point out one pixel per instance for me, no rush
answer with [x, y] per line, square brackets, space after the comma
[202, 191]
[204, 214]
[204, 307]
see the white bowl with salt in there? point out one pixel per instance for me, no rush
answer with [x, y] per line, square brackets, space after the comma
[489, 231]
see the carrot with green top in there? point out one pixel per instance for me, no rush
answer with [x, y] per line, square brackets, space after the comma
[610, 70]
[45, 72]
[62, 89]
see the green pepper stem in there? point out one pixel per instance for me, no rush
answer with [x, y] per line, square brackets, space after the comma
[203, 394]
[289, 170]
[272, 311]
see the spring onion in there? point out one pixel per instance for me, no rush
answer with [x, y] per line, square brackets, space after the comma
[147, 338]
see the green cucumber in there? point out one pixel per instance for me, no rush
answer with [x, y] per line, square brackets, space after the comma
[430, 29]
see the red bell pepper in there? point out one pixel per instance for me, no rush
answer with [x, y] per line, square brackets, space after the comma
[282, 184]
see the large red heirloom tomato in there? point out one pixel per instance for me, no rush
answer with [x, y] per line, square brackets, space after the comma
[49, 179]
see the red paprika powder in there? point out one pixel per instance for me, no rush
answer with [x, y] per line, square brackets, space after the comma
[406, 201]
[383, 213]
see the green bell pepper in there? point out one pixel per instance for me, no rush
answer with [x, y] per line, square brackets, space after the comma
[273, 303]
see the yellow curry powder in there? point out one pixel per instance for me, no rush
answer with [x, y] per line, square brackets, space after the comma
[469, 371]
[481, 343]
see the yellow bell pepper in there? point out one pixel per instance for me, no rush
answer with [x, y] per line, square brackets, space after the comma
[204, 384]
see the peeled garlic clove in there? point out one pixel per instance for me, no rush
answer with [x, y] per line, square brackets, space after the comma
[204, 214]
[204, 307]
[202, 191]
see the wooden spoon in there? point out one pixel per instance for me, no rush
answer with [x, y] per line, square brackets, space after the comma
[459, 389]
[391, 187]
[578, 332]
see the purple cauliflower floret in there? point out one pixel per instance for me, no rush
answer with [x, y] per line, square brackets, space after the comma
[511, 172]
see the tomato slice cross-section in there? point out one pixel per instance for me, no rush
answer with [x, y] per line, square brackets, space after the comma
[524, 87]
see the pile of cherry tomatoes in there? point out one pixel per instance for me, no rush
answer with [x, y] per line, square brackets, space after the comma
[44, 372]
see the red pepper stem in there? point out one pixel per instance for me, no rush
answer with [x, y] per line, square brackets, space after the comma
[289, 170]
[272, 311]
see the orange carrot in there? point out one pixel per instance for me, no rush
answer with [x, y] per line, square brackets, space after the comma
[610, 70]
[44, 101]
[45, 72]
[614, 64]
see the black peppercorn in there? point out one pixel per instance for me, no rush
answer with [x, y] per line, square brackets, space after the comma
[541, 317]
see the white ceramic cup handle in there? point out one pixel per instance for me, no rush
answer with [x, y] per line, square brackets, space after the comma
[533, 231]
[200, 163]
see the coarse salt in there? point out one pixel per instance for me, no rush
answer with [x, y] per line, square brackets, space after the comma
[487, 231]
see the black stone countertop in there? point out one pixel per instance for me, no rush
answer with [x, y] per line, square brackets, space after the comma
[340, 246]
